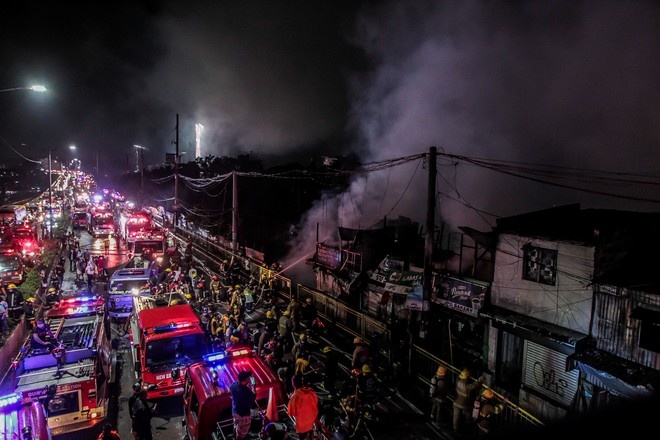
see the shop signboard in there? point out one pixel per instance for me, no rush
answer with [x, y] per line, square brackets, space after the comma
[465, 296]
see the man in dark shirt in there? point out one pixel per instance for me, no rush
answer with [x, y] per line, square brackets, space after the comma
[243, 398]
[42, 336]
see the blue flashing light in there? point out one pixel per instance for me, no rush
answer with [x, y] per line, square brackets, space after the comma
[9, 399]
[165, 328]
[215, 357]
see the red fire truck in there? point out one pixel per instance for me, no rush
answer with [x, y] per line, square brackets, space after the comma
[132, 223]
[166, 338]
[22, 418]
[206, 397]
[72, 380]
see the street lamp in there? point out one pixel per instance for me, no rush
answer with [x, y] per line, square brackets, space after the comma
[35, 88]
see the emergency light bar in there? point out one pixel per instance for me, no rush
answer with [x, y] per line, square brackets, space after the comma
[214, 357]
[9, 400]
[240, 352]
[169, 327]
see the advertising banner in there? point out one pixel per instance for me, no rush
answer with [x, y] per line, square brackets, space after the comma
[457, 294]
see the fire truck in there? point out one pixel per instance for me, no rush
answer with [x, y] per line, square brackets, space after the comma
[101, 223]
[151, 241]
[73, 380]
[132, 223]
[22, 418]
[166, 338]
[207, 400]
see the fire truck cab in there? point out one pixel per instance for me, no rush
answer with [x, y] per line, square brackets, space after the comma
[22, 418]
[126, 282]
[206, 396]
[73, 380]
[166, 338]
[150, 242]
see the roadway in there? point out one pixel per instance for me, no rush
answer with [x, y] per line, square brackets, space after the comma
[399, 418]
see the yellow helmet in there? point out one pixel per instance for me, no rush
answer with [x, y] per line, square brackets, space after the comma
[464, 374]
[488, 394]
[174, 302]
[327, 349]
[51, 290]
[358, 340]
[11, 286]
[270, 314]
[303, 336]
[442, 371]
[30, 299]
[366, 368]
[188, 296]
[286, 313]
[237, 286]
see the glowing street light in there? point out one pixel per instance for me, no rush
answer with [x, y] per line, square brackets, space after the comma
[34, 88]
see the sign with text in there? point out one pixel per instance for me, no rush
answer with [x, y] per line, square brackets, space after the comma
[460, 295]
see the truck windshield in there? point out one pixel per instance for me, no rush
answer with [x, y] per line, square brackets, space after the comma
[121, 287]
[175, 350]
[79, 216]
[9, 262]
[148, 246]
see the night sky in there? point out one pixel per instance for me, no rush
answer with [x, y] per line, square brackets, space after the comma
[568, 85]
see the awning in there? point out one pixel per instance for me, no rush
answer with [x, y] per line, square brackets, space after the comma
[549, 335]
[620, 376]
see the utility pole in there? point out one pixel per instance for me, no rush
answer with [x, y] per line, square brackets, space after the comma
[430, 227]
[50, 193]
[234, 213]
[176, 175]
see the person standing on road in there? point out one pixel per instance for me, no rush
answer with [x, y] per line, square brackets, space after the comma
[90, 271]
[360, 353]
[303, 406]
[439, 393]
[142, 415]
[243, 398]
[463, 400]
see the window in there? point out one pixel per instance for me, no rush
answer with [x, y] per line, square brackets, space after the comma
[649, 334]
[539, 265]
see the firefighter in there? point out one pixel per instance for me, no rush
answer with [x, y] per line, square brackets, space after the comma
[14, 302]
[462, 401]
[489, 412]
[439, 393]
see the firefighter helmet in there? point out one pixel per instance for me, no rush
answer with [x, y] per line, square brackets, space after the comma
[303, 336]
[237, 286]
[286, 313]
[442, 371]
[366, 369]
[358, 340]
[30, 299]
[169, 269]
[188, 296]
[270, 314]
[52, 290]
[174, 302]
[11, 287]
[464, 375]
[488, 394]
[326, 349]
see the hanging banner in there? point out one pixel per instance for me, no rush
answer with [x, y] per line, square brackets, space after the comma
[460, 295]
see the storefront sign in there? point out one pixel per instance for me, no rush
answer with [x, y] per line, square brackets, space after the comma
[460, 295]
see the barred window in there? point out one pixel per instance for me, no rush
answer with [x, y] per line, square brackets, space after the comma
[539, 265]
